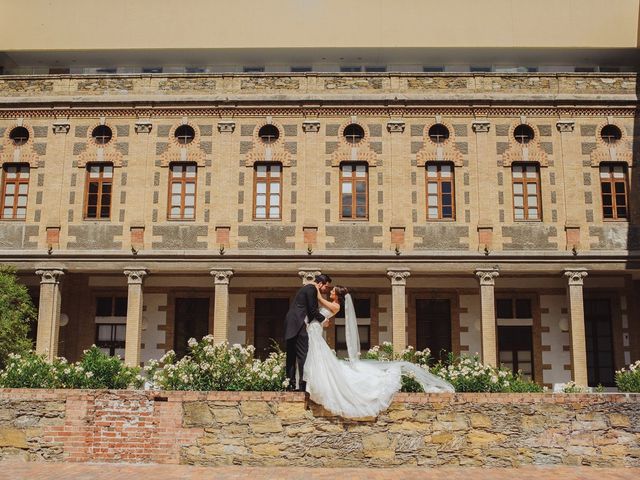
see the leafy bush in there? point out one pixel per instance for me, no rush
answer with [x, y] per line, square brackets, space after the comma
[94, 370]
[466, 374]
[628, 380]
[211, 366]
[16, 313]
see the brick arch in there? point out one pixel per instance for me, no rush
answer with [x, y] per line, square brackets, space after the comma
[177, 152]
[531, 152]
[23, 154]
[439, 152]
[620, 152]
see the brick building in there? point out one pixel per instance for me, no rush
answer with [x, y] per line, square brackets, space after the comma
[473, 187]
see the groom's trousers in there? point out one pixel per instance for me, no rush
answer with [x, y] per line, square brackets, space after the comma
[297, 348]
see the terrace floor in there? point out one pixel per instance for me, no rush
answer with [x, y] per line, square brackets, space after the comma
[88, 471]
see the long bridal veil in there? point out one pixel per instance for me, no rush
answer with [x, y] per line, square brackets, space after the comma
[429, 382]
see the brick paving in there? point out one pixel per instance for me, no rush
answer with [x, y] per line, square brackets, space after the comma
[86, 471]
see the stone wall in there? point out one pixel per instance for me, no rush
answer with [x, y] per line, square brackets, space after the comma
[266, 428]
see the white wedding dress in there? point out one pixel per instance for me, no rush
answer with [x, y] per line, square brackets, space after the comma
[357, 388]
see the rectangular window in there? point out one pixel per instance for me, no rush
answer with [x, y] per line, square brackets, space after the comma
[515, 349]
[526, 192]
[480, 69]
[182, 191]
[613, 183]
[375, 69]
[15, 189]
[354, 202]
[253, 69]
[301, 69]
[364, 332]
[267, 192]
[511, 308]
[440, 193]
[151, 69]
[429, 69]
[350, 69]
[98, 191]
[110, 338]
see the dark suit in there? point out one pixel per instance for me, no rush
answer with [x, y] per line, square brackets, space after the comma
[304, 305]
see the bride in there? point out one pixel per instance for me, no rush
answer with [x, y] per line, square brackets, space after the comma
[355, 388]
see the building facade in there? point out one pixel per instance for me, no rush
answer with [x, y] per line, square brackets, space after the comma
[469, 212]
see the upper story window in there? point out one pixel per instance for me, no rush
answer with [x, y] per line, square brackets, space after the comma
[353, 133]
[98, 191]
[375, 69]
[610, 134]
[523, 134]
[480, 69]
[19, 136]
[253, 69]
[526, 191]
[301, 69]
[440, 191]
[432, 69]
[151, 69]
[438, 133]
[613, 183]
[182, 191]
[268, 192]
[102, 134]
[15, 190]
[269, 133]
[354, 188]
[352, 69]
[185, 134]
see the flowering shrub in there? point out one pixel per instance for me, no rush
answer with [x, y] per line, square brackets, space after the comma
[211, 366]
[573, 387]
[94, 370]
[466, 374]
[628, 380]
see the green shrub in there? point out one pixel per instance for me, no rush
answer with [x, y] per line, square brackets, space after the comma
[628, 380]
[16, 315]
[210, 366]
[466, 374]
[95, 370]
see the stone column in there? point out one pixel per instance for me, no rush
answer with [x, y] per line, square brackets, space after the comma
[133, 334]
[49, 312]
[575, 281]
[487, 278]
[398, 307]
[308, 275]
[221, 280]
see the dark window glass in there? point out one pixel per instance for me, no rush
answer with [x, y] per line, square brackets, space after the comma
[102, 134]
[185, 134]
[269, 133]
[19, 136]
[523, 134]
[353, 133]
[504, 308]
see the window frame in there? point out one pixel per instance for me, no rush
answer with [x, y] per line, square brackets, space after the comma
[611, 181]
[439, 180]
[353, 181]
[525, 191]
[269, 180]
[19, 180]
[101, 181]
[182, 181]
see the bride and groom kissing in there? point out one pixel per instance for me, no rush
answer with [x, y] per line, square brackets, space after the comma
[351, 388]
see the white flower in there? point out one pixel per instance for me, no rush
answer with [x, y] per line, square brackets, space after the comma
[89, 374]
[192, 342]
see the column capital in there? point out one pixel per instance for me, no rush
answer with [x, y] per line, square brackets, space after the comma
[565, 126]
[61, 127]
[575, 276]
[135, 275]
[143, 126]
[222, 276]
[398, 276]
[395, 126]
[50, 274]
[487, 276]
[481, 126]
[311, 126]
[226, 126]
[308, 275]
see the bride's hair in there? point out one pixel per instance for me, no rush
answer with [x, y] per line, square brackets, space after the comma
[341, 292]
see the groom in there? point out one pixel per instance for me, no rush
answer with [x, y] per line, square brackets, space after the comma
[304, 305]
